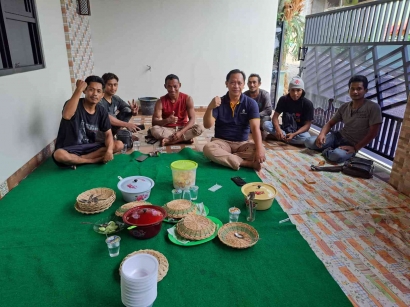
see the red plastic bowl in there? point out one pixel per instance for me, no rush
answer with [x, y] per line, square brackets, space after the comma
[147, 218]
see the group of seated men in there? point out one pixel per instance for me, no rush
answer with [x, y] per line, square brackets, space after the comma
[88, 125]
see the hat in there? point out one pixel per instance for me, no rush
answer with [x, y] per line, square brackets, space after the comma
[296, 82]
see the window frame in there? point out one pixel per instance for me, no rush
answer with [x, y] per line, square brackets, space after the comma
[5, 54]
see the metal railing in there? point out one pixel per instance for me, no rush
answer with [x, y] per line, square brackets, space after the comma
[381, 22]
[372, 39]
[384, 144]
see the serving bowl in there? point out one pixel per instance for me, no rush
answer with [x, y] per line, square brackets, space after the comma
[135, 188]
[147, 219]
[264, 194]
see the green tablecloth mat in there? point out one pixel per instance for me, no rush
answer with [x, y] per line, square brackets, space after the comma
[48, 258]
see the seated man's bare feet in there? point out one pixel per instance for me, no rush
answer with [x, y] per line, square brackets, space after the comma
[252, 164]
[164, 142]
[257, 166]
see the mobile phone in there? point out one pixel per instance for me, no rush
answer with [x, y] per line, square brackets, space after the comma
[142, 127]
[238, 181]
[152, 141]
[141, 158]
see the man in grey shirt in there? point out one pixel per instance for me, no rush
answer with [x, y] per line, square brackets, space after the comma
[119, 111]
[362, 119]
[261, 96]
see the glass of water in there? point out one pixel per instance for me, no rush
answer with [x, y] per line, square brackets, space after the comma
[186, 194]
[113, 244]
[136, 145]
[124, 149]
[234, 214]
[176, 194]
[194, 192]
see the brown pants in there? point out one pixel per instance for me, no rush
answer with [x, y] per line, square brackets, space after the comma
[229, 153]
[160, 133]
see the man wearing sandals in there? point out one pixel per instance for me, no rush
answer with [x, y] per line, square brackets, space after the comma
[174, 116]
[82, 120]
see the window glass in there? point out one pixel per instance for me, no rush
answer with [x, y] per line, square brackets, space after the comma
[19, 42]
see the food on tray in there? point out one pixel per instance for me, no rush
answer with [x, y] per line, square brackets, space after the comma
[110, 227]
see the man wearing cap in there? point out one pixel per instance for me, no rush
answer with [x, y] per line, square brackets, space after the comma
[362, 119]
[297, 115]
[174, 115]
[234, 116]
[261, 97]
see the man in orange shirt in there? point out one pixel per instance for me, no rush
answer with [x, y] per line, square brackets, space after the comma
[174, 115]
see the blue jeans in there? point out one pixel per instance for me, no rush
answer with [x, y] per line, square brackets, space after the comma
[298, 139]
[330, 149]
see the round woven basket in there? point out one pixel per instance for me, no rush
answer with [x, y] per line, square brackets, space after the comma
[87, 212]
[179, 208]
[98, 199]
[163, 264]
[124, 208]
[195, 227]
[227, 235]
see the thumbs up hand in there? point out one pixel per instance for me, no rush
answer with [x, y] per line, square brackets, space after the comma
[172, 119]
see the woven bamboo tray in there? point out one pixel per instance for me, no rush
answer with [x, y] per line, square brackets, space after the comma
[95, 200]
[195, 227]
[124, 208]
[180, 208]
[163, 264]
[227, 235]
[87, 212]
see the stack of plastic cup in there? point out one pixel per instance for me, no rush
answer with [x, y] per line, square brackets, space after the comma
[139, 275]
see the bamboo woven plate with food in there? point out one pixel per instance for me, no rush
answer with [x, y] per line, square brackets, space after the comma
[179, 208]
[163, 264]
[95, 199]
[195, 227]
[246, 236]
[124, 208]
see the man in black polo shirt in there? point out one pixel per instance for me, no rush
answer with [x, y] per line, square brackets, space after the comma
[82, 120]
[234, 115]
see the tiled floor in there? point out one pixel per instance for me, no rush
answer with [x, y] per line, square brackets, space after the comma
[200, 142]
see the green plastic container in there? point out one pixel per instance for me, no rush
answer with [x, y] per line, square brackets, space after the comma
[183, 173]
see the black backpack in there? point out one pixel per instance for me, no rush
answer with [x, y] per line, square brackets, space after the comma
[125, 136]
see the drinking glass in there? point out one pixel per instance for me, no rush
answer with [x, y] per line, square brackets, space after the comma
[136, 145]
[124, 149]
[186, 194]
[234, 214]
[176, 194]
[113, 244]
[194, 192]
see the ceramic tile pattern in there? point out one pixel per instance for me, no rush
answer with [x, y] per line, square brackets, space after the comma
[78, 41]
[400, 175]
[358, 228]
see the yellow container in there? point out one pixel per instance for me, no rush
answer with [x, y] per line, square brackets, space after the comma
[264, 194]
[183, 173]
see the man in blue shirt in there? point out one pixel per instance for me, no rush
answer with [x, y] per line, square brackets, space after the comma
[234, 116]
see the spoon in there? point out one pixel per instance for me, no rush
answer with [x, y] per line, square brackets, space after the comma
[238, 235]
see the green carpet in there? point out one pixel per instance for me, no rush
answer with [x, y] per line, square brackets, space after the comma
[48, 258]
